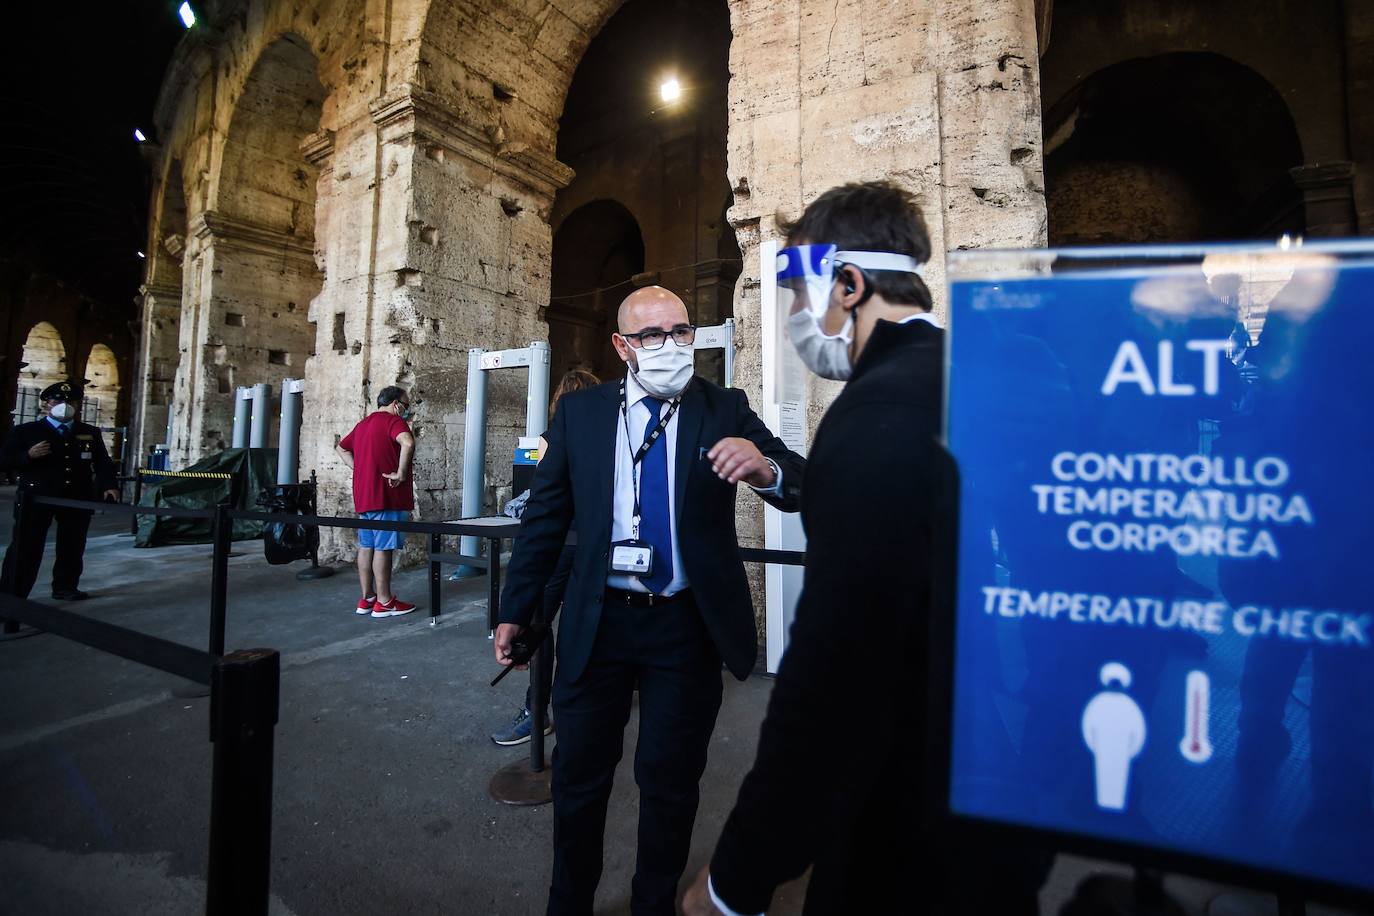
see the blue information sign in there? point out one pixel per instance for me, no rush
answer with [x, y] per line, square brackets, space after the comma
[1164, 631]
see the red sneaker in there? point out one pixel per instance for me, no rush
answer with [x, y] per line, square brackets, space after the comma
[365, 605]
[393, 608]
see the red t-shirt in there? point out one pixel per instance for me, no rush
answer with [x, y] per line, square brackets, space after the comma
[376, 452]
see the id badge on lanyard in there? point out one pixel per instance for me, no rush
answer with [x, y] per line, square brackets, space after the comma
[634, 557]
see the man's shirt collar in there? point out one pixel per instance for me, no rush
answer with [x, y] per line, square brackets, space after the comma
[634, 392]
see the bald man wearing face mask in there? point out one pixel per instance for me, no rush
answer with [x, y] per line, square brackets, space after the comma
[648, 466]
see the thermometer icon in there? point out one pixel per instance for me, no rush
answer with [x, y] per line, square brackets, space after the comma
[1196, 746]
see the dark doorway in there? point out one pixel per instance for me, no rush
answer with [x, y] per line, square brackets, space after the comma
[648, 203]
[1181, 147]
[596, 252]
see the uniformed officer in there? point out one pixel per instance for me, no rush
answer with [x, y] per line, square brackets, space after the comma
[62, 457]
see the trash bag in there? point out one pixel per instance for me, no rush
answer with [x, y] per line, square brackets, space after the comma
[284, 542]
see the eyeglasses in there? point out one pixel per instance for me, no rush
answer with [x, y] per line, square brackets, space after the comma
[684, 335]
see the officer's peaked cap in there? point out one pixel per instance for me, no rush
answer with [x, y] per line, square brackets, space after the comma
[69, 390]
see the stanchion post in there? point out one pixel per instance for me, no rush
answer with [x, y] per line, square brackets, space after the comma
[436, 546]
[493, 581]
[539, 693]
[244, 698]
[222, 530]
[21, 505]
[316, 571]
[138, 499]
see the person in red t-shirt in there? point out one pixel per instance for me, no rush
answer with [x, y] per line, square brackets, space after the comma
[379, 450]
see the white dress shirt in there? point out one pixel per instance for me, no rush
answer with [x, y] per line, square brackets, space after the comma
[623, 509]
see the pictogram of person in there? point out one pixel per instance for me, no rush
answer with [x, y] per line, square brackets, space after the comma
[1114, 730]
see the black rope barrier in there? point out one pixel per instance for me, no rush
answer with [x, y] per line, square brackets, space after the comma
[459, 528]
[779, 557]
[121, 508]
[150, 651]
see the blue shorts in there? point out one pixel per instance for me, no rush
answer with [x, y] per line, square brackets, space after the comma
[383, 540]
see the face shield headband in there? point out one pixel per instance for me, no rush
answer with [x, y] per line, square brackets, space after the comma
[806, 274]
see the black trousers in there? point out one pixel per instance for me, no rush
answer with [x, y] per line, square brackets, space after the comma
[25, 553]
[667, 651]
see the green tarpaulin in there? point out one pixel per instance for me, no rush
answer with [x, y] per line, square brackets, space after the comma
[253, 470]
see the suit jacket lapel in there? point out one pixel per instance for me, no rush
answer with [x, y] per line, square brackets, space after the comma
[607, 421]
[689, 417]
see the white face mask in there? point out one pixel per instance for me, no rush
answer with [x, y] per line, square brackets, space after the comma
[664, 372]
[827, 355]
[62, 412]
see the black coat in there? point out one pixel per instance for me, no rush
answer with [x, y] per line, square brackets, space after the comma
[78, 467]
[576, 479]
[838, 776]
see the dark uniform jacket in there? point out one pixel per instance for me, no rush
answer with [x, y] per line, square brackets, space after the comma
[576, 479]
[847, 751]
[78, 467]
[837, 779]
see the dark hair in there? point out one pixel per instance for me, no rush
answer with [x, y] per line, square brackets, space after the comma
[572, 380]
[390, 395]
[869, 216]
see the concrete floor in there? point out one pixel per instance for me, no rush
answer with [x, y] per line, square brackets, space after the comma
[382, 756]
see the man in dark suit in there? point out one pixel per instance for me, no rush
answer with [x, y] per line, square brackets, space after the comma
[879, 490]
[657, 598]
[62, 457]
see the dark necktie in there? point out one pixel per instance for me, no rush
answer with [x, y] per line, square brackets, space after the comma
[655, 518]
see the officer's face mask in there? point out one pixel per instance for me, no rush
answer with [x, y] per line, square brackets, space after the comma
[62, 411]
[807, 274]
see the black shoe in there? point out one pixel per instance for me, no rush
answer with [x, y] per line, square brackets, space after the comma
[70, 594]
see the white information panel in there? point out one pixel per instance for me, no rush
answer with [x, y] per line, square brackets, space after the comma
[787, 418]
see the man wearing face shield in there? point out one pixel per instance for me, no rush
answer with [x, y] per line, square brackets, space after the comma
[658, 599]
[878, 487]
[58, 456]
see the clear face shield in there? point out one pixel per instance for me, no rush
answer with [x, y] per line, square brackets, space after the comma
[806, 275]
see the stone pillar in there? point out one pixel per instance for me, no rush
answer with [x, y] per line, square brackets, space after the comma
[243, 322]
[156, 369]
[939, 95]
[1328, 198]
[1359, 84]
[438, 242]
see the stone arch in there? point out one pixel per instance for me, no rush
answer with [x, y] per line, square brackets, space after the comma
[1183, 146]
[510, 69]
[43, 362]
[256, 248]
[597, 251]
[100, 404]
